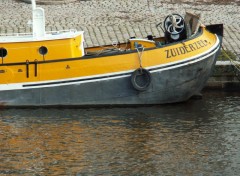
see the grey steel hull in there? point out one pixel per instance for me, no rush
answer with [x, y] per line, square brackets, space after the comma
[169, 85]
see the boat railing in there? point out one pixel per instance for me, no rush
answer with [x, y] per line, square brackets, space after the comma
[61, 31]
[14, 34]
[30, 34]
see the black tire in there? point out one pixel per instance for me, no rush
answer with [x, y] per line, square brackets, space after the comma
[141, 79]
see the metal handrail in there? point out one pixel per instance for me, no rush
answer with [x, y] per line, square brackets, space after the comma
[47, 32]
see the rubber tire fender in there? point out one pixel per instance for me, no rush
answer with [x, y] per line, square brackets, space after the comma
[141, 79]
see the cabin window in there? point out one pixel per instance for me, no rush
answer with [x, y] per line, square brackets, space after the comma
[43, 51]
[3, 53]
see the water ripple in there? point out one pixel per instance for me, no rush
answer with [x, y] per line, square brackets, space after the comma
[199, 137]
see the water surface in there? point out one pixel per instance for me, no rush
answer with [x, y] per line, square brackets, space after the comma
[199, 137]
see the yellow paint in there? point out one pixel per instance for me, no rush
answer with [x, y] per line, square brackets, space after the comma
[86, 67]
[6, 74]
[57, 49]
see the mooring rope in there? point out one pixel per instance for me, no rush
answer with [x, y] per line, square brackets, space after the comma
[140, 54]
[234, 63]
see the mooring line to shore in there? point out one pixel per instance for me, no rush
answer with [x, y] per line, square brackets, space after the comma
[235, 63]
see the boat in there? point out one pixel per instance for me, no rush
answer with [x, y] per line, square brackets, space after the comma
[54, 68]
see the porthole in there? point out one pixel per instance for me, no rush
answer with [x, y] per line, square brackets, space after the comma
[43, 50]
[3, 52]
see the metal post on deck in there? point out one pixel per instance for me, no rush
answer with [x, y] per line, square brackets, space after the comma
[38, 20]
[33, 4]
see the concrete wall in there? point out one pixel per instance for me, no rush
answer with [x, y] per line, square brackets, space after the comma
[225, 77]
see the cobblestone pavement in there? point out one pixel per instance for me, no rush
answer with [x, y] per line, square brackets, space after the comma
[105, 21]
[52, 2]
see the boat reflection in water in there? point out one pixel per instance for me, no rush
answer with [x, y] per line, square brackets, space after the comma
[195, 138]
